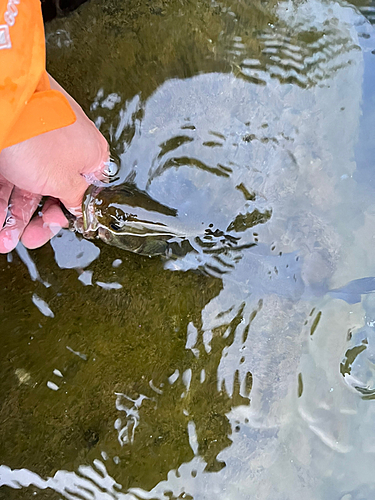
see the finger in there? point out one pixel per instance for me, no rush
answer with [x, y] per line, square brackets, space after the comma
[6, 189]
[72, 198]
[43, 227]
[22, 205]
[99, 177]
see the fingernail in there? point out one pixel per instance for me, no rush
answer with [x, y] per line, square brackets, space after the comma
[54, 228]
[77, 211]
[9, 239]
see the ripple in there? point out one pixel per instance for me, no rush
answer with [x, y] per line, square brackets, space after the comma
[305, 55]
[368, 11]
[220, 170]
[358, 365]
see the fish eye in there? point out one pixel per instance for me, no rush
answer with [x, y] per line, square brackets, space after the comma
[114, 227]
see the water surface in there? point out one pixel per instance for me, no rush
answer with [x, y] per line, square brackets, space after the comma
[238, 371]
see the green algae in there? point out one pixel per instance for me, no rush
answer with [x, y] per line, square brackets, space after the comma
[122, 339]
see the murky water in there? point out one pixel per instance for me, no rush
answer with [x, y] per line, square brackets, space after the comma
[235, 372]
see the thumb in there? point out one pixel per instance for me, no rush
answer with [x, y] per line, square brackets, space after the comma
[72, 199]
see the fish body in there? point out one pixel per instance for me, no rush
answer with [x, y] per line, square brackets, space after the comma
[129, 218]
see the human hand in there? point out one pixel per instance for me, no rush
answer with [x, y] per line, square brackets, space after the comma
[52, 164]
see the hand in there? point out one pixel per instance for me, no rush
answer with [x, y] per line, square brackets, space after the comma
[52, 164]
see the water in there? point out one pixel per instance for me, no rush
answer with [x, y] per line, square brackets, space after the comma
[229, 374]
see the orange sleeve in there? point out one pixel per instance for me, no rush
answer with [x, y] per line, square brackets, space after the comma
[28, 107]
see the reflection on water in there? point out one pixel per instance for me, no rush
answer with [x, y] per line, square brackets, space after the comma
[236, 375]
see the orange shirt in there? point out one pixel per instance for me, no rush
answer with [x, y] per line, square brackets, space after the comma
[28, 107]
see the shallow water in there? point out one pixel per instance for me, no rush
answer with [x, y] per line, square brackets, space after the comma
[235, 373]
